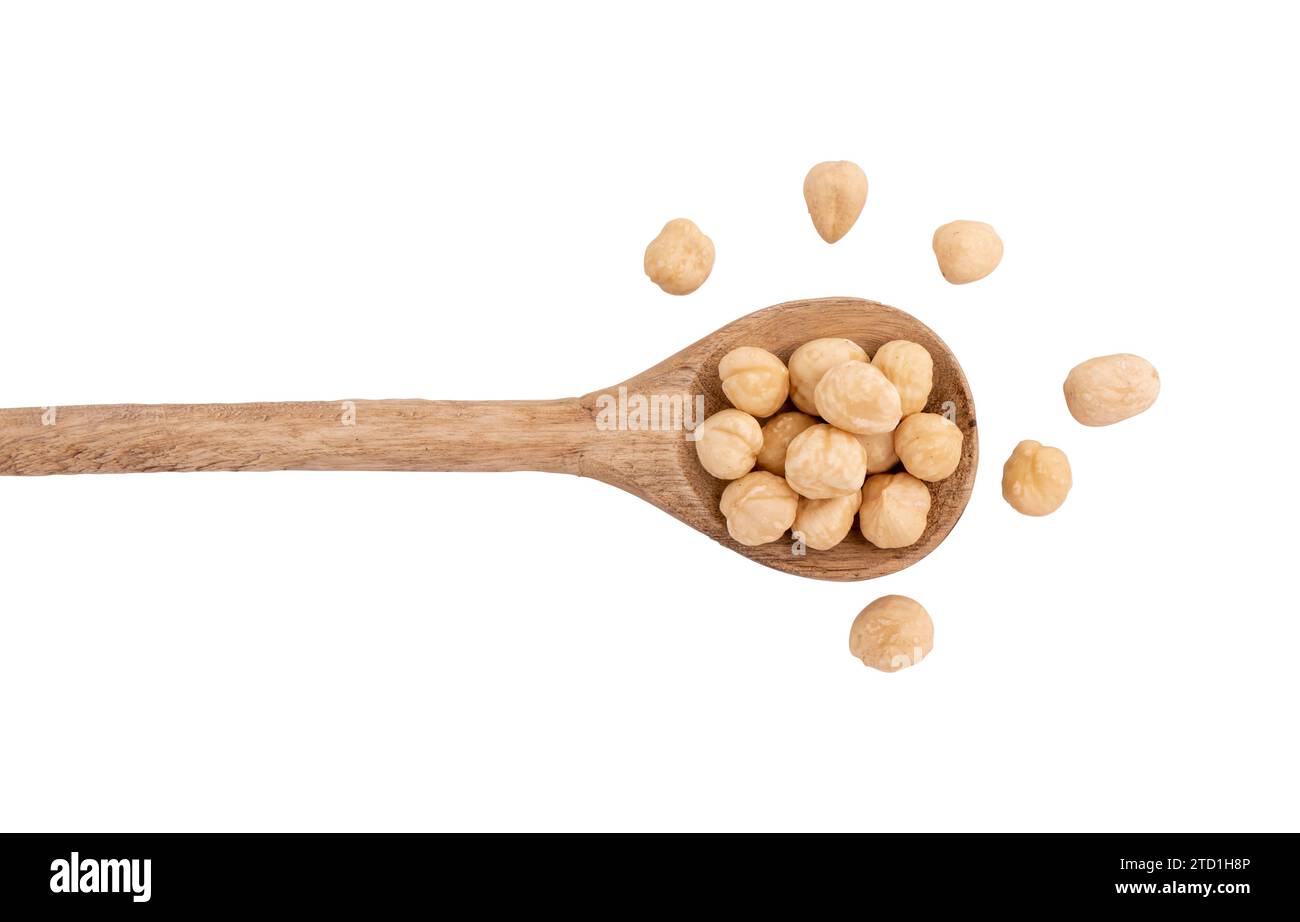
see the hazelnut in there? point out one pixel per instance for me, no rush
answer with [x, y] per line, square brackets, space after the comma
[754, 380]
[1036, 479]
[858, 398]
[892, 633]
[812, 360]
[680, 258]
[759, 507]
[909, 368]
[879, 449]
[823, 462]
[823, 523]
[727, 443]
[895, 508]
[777, 434]
[1110, 388]
[967, 251]
[835, 192]
[929, 445]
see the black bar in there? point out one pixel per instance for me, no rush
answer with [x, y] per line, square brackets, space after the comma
[384, 873]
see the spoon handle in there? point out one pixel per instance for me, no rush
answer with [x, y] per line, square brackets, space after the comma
[341, 435]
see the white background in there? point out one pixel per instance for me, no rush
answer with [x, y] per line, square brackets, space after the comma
[256, 201]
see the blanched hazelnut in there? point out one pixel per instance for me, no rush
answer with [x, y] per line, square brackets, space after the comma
[967, 251]
[779, 431]
[754, 380]
[727, 443]
[1036, 479]
[858, 398]
[823, 523]
[823, 462]
[929, 445]
[879, 451]
[759, 507]
[1111, 388]
[895, 509]
[835, 192]
[909, 368]
[680, 258]
[812, 360]
[892, 633]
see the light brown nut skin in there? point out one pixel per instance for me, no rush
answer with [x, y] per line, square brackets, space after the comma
[823, 462]
[858, 398]
[895, 508]
[835, 192]
[909, 368]
[680, 258]
[892, 633]
[823, 523]
[812, 360]
[929, 445]
[727, 443]
[1111, 388]
[1036, 478]
[759, 507]
[879, 449]
[754, 380]
[967, 251]
[779, 431]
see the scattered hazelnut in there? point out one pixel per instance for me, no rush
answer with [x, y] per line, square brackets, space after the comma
[892, 633]
[777, 435]
[823, 523]
[879, 449]
[1036, 479]
[967, 251]
[727, 443]
[858, 398]
[895, 508]
[835, 192]
[1110, 388]
[929, 445]
[823, 462]
[754, 380]
[680, 258]
[759, 507]
[909, 368]
[812, 360]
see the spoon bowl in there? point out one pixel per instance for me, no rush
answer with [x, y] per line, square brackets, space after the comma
[662, 467]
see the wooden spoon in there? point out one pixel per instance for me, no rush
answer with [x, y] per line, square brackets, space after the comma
[581, 435]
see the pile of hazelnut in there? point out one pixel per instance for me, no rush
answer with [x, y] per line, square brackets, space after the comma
[833, 457]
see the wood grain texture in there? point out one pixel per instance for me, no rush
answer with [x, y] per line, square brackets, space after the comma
[338, 435]
[559, 436]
